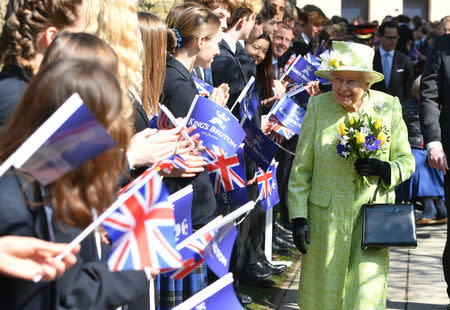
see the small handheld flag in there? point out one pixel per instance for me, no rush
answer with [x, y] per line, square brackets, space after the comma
[215, 124]
[268, 188]
[142, 229]
[204, 89]
[68, 138]
[287, 114]
[259, 147]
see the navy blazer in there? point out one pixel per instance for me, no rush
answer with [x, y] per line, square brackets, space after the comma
[178, 93]
[435, 94]
[402, 76]
[87, 285]
[13, 81]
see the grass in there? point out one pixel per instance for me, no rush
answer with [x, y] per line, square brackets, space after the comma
[262, 296]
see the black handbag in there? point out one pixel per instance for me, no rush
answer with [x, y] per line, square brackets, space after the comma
[386, 224]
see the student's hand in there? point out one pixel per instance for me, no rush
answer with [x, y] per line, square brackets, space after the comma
[152, 145]
[266, 126]
[280, 89]
[252, 180]
[269, 101]
[220, 95]
[313, 88]
[27, 257]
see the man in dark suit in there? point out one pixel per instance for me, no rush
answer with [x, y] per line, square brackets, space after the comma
[435, 121]
[396, 66]
[405, 35]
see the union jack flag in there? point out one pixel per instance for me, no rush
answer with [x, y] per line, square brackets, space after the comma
[203, 88]
[174, 161]
[227, 172]
[142, 229]
[289, 62]
[275, 137]
[267, 184]
[197, 247]
[281, 130]
[163, 121]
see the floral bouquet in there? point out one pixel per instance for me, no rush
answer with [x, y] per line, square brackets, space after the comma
[360, 137]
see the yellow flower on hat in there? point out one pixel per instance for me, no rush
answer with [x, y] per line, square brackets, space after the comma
[334, 63]
[360, 138]
[342, 128]
[382, 137]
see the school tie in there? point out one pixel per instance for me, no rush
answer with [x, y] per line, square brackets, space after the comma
[387, 64]
[208, 76]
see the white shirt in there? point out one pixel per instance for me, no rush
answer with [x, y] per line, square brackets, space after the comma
[305, 38]
[230, 41]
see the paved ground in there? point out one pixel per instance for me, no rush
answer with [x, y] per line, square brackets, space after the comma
[416, 281]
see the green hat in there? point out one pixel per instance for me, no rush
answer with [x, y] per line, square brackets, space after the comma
[349, 56]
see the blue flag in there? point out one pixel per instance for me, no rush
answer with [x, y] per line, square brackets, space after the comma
[268, 188]
[288, 114]
[71, 136]
[259, 147]
[204, 89]
[303, 71]
[182, 204]
[218, 251]
[248, 102]
[215, 124]
[299, 95]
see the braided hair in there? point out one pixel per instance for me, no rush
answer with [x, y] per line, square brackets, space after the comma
[25, 20]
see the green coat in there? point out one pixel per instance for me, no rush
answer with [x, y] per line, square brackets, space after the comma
[336, 273]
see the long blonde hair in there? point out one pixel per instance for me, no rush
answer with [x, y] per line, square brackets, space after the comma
[116, 22]
[154, 39]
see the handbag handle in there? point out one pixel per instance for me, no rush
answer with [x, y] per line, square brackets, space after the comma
[379, 183]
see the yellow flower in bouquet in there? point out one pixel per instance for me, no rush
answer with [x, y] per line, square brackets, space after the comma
[342, 128]
[360, 137]
[382, 137]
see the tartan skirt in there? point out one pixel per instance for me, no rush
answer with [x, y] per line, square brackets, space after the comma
[173, 292]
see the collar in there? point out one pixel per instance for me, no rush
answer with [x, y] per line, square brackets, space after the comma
[230, 42]
[15, 71]
[274, 61]
[383, 52]
[305, 38]
[176, 64]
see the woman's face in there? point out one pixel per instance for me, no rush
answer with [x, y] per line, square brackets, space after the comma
[209, 49]
[349, 88]
[258, 49]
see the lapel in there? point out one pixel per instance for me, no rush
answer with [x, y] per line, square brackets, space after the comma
[225, 46]
[395, 66]
[31, 193]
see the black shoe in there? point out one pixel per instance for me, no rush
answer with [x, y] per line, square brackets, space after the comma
[283, 236]
[282, 229]
[283, 243]
[245, 299]
[280, 251]
[276, 269]
[254, 273]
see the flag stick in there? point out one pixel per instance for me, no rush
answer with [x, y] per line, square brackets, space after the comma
[183, 133]
[206, 293]
[199, 233]
[284, 149]
[290, 67]
[243, 93]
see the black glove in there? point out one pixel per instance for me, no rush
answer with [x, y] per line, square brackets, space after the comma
[300, 233]
[373, 166]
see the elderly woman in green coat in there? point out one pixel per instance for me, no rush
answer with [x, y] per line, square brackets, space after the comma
[325, 201]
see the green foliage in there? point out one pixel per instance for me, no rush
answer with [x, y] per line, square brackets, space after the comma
[145, 5]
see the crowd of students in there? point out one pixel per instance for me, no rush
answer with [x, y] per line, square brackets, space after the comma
[123, 63]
